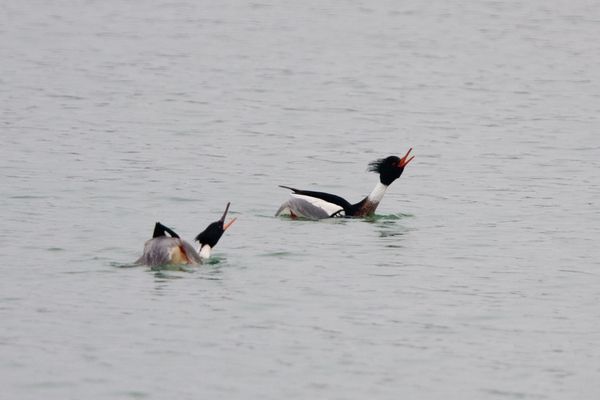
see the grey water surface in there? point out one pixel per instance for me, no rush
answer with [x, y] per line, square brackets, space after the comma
[477, 279]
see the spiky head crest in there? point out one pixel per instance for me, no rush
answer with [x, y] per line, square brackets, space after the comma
[389, 169]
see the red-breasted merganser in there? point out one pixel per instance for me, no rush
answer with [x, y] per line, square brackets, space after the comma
[164, 250]
[319, 205]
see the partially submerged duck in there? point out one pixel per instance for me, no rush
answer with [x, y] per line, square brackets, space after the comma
[166, 247]
[319, 205]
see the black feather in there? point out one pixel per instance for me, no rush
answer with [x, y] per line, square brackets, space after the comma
[375, 166]
[161, 230]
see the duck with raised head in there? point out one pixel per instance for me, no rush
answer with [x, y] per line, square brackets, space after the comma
[319, 205]
[171, 249]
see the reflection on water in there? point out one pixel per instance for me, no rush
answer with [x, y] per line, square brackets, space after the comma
[211, 271]
[388, 217]
[166, 274]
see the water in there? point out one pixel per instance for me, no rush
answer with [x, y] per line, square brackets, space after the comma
[477, 279]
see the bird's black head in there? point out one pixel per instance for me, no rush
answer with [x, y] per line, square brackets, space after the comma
[390, 168]
[213, 232]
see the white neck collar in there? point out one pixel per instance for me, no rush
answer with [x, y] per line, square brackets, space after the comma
[377, 193]
[205, 251]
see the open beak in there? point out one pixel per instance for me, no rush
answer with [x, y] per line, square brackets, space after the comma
[405, 160]
[227, 225]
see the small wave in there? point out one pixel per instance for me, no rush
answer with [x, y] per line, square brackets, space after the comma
[214, 260]
[122, 265]
[55, 249]
[278, 254]
[388, 217]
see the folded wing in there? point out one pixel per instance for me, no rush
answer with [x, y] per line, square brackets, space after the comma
[309, 207]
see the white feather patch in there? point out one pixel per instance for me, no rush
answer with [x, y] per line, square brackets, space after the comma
[326, 206]
[205, 252]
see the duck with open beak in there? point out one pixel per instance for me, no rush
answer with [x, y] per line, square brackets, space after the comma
[167, 248]
[318, 205]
